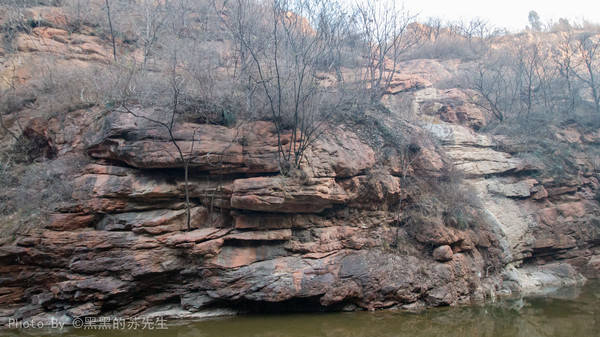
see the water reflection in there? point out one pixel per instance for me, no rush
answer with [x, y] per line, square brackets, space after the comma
[566, 312]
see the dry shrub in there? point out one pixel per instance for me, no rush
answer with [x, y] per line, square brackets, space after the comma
[62, 88]
[16, 100]
[301, 176]
[36, 190]
[448, 198]
[447, 48]
[534, 139]
[31, 147]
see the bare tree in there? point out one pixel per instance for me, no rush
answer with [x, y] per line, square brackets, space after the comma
[550, 89]
[527, 65]
[408, 154]
[587, 70]
[495, 84]
[169, 125]
[176, 82]
[388, 32]
[153, 16]
[564, 58]
[283, 61]
[516, 80]
[112, 32]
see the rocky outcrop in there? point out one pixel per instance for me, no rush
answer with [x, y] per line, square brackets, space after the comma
[332, 236]
[443, 253]
[474, 154]
[52, 40]
[537, 221]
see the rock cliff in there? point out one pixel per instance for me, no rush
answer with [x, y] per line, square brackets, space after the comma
[335, 237]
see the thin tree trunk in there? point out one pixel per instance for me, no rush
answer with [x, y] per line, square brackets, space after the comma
[6, 129]
[187, 196]
[78, 14]
[594, 90]
[112, 33]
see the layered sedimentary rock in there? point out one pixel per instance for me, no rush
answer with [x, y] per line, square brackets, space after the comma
[547, 225]
[329, 238]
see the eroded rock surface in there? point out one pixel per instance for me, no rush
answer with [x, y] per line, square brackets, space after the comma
[330, 237]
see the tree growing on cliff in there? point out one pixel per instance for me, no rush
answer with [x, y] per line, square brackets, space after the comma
[169, 125]
[153, 18]
[180, 84]
[563, 57]
[172, 109]
[387, 33]
[522, 80]
[528, 59]
[587, 47]
[112, 31]
[281, 45]
[495, 84]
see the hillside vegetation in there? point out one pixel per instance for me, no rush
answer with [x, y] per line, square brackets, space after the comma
[303, 65]
[201, 154]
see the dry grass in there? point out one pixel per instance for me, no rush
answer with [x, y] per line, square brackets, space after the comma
[448, 198]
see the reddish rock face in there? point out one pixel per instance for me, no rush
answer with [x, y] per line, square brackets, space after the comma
[214, 148]
[443, 253]
[70, 221]
[250, 148]
[331, 234]
[437, 234]
[287, 195]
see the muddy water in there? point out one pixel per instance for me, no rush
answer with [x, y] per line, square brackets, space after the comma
[573, 312]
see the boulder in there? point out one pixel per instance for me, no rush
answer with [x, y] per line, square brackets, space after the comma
[434, 232]
[374, 191]
[443, 253]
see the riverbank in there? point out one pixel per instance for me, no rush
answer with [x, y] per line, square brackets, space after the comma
[126, 195]
[568, 311]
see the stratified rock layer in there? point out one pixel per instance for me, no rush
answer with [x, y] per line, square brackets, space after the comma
[328, 237]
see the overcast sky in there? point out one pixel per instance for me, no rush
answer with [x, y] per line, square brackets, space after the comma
[511, 14]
